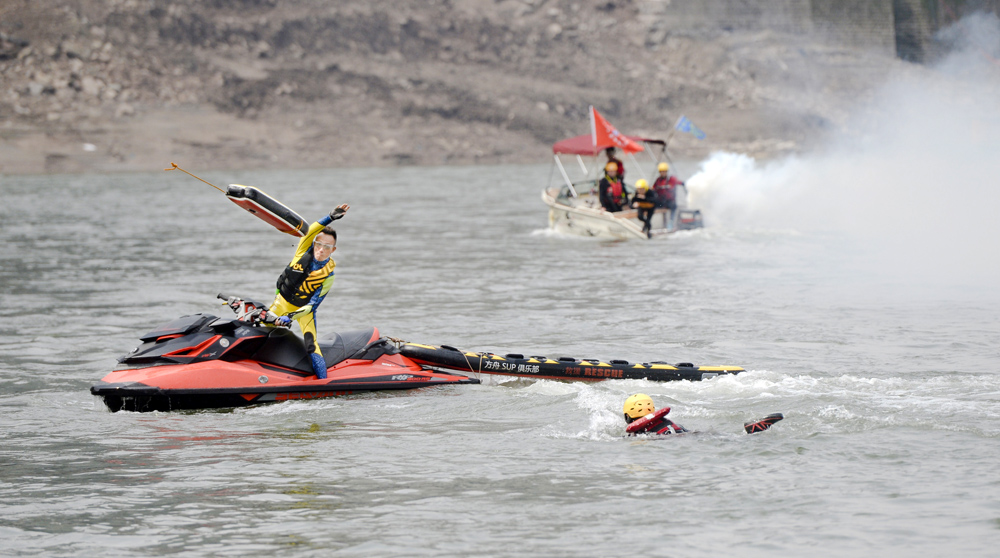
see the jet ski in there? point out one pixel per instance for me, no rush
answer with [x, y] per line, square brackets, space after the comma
[444, 357]
[203, 361]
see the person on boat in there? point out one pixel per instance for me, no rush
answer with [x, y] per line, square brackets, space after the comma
[665, 187]
[642, 417]
[645, 201]
[306, 280]
[612, 190]
[610, 152]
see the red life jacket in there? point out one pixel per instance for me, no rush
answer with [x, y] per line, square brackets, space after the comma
[616, 188]
[657, 423]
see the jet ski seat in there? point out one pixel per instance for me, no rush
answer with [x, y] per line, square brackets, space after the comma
[338, 347]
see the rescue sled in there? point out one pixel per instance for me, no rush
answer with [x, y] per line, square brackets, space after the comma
[445, 358]
[203, 361]
[259, 204]
[267, 209]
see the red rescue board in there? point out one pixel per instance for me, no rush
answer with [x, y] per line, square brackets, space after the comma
[645, 422]
[268, 209]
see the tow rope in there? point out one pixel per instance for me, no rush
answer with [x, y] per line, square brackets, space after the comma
[173, 166]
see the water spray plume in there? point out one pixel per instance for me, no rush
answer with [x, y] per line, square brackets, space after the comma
[912, 176]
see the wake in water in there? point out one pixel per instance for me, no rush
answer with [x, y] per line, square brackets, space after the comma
[812, 404]
[552, 233]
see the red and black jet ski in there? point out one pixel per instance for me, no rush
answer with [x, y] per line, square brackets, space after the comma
[203, 361]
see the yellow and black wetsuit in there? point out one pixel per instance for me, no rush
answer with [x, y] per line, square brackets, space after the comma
[304, 283]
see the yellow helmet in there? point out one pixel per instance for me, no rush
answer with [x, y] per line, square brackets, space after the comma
[641, 184]
[611, 166]
[638, 406]
[662, 167]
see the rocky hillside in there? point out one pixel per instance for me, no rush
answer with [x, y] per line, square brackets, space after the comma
[132, 84]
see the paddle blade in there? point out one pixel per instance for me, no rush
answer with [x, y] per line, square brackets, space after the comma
[762, 424]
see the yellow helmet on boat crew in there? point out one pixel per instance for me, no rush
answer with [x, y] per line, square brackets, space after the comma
[638, 406]
[641, 184]
[611, 166]
[662, 167]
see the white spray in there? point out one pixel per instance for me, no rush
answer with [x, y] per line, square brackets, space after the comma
[915, 175]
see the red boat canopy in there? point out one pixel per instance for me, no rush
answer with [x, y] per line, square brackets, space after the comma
[602, 136]
[584, 145]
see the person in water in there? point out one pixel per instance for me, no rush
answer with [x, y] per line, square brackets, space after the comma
[645, 201]
[303, 284]
[612, 190]
[610, 152]
[643, 418]
[665, 187]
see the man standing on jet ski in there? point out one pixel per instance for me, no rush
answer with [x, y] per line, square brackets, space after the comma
[306, 280]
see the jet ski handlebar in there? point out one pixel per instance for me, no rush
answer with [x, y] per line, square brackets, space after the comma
[251, 311]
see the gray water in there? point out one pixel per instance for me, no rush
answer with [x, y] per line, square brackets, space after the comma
[890, 387]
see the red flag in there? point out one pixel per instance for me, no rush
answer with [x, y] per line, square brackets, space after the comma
[605, 135]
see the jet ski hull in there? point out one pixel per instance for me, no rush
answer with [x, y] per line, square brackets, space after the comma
[593, 370]
[204, 362]
[213, 384]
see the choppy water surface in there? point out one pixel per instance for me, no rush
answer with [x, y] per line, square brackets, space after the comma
[890, 388]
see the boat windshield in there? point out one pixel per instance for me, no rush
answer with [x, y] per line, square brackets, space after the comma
[580, 188]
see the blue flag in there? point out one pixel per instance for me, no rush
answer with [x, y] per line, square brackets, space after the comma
[685, 125]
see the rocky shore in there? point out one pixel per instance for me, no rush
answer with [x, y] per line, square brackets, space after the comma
[123, 85]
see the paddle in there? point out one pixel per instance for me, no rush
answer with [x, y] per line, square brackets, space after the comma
[762, 424]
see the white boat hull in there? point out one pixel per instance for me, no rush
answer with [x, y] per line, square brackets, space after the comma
[583, 216]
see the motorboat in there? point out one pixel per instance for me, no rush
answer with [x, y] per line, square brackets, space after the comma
[572, 196]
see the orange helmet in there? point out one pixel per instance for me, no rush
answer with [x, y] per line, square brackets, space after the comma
[611, 166]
